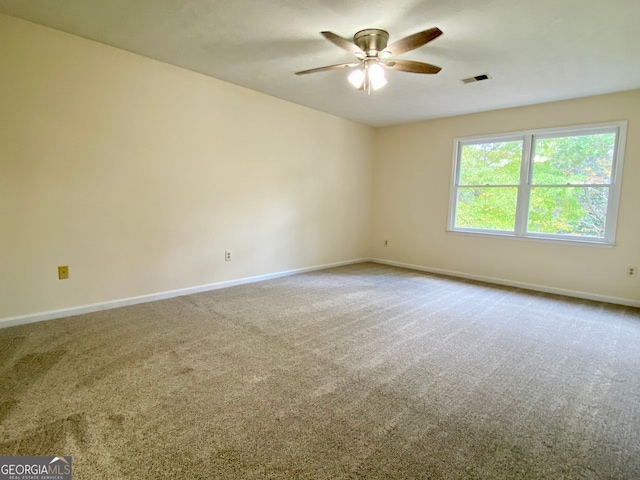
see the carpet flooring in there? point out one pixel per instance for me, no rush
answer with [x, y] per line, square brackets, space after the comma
[357, 372]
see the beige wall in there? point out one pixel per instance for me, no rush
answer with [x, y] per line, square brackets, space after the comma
[139, 175]
[412, 175]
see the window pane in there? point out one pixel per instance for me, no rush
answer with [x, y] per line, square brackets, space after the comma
[576, 159]
[491, 163]
[568, 210]
[490, 208]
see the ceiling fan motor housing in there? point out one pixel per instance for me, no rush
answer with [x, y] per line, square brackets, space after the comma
[371, 40]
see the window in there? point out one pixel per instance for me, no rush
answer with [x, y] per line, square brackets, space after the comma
[560, 184]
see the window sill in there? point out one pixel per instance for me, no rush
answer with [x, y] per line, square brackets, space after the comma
[533, 238]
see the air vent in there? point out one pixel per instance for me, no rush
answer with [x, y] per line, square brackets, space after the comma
[477, 78]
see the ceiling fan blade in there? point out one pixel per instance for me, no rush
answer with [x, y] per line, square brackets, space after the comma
[411, 66]
[413, 41]
[343, 43]
[328, 67]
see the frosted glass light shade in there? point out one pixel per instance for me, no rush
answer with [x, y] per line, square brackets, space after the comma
[376, 76]
[357, 78]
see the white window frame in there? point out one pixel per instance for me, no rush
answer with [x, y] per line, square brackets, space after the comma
[524, 187]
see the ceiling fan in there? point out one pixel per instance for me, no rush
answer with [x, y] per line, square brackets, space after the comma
[370, 48]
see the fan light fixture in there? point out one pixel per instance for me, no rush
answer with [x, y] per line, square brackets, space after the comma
[369, 77]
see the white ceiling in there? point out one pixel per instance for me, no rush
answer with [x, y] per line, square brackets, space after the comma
[535, 50]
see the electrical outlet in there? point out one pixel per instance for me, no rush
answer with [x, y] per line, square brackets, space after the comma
[386, 243]
[227, 256]
[632, 271]
[63, 272]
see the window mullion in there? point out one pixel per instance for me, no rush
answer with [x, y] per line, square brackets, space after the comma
[524, 189]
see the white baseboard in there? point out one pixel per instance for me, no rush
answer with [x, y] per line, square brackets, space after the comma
[123, 302]
[510, 283]
[96, 307]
